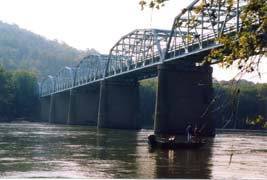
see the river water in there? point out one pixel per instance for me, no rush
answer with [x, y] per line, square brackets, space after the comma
[39, 150]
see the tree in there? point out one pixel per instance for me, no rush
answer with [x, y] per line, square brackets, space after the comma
[25, 93]
[152, 3]
[18, 94]
[6, 94]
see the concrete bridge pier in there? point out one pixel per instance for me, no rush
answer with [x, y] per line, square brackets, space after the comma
[184, 96]
[119, 105]
[59, 107]
[83, 107]
[45, 108]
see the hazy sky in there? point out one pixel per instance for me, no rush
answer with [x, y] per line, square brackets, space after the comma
[97, 24]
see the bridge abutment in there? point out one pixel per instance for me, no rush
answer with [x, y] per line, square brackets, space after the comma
[84, 106]
[118, 105]
[184, 96]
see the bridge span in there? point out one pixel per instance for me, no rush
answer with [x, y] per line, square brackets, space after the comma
[103, 90]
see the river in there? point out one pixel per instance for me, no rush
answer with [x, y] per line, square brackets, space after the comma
[38, 150]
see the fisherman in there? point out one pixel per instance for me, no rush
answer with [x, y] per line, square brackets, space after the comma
[189, 130]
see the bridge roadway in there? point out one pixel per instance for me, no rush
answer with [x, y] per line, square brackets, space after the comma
[102, 90]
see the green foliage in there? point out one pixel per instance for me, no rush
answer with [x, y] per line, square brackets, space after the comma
[152, 3]
[257, 122]
[18, 94]
[249, 45]
[6, 95]
[25, 92]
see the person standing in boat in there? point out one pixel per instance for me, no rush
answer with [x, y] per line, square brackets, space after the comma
[189, 130]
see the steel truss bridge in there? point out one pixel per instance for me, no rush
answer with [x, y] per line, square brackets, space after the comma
[195, 31]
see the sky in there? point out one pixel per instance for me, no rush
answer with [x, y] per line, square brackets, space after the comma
[98, 24]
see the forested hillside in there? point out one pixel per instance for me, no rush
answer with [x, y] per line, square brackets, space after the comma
[24, 50]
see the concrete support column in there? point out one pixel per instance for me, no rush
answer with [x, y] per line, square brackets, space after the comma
[83, 108]
[184, 95]
[59, 108]
[118, 105]
[45, 108]
[51, 109]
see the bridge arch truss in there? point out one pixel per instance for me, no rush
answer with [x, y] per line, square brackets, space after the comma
[137, 49]
[64, 79]
[47, 86]
[90, 68]
[197, 28]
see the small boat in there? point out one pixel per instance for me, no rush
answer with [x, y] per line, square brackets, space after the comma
[171, 143]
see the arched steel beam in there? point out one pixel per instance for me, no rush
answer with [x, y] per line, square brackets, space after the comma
[64, 79]
[137, 49]
[90, 68]
[47, 86]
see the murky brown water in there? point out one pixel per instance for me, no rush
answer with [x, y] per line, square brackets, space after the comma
[44, 150]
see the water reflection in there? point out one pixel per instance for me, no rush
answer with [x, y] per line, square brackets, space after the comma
[183, 163]
[116, 149]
